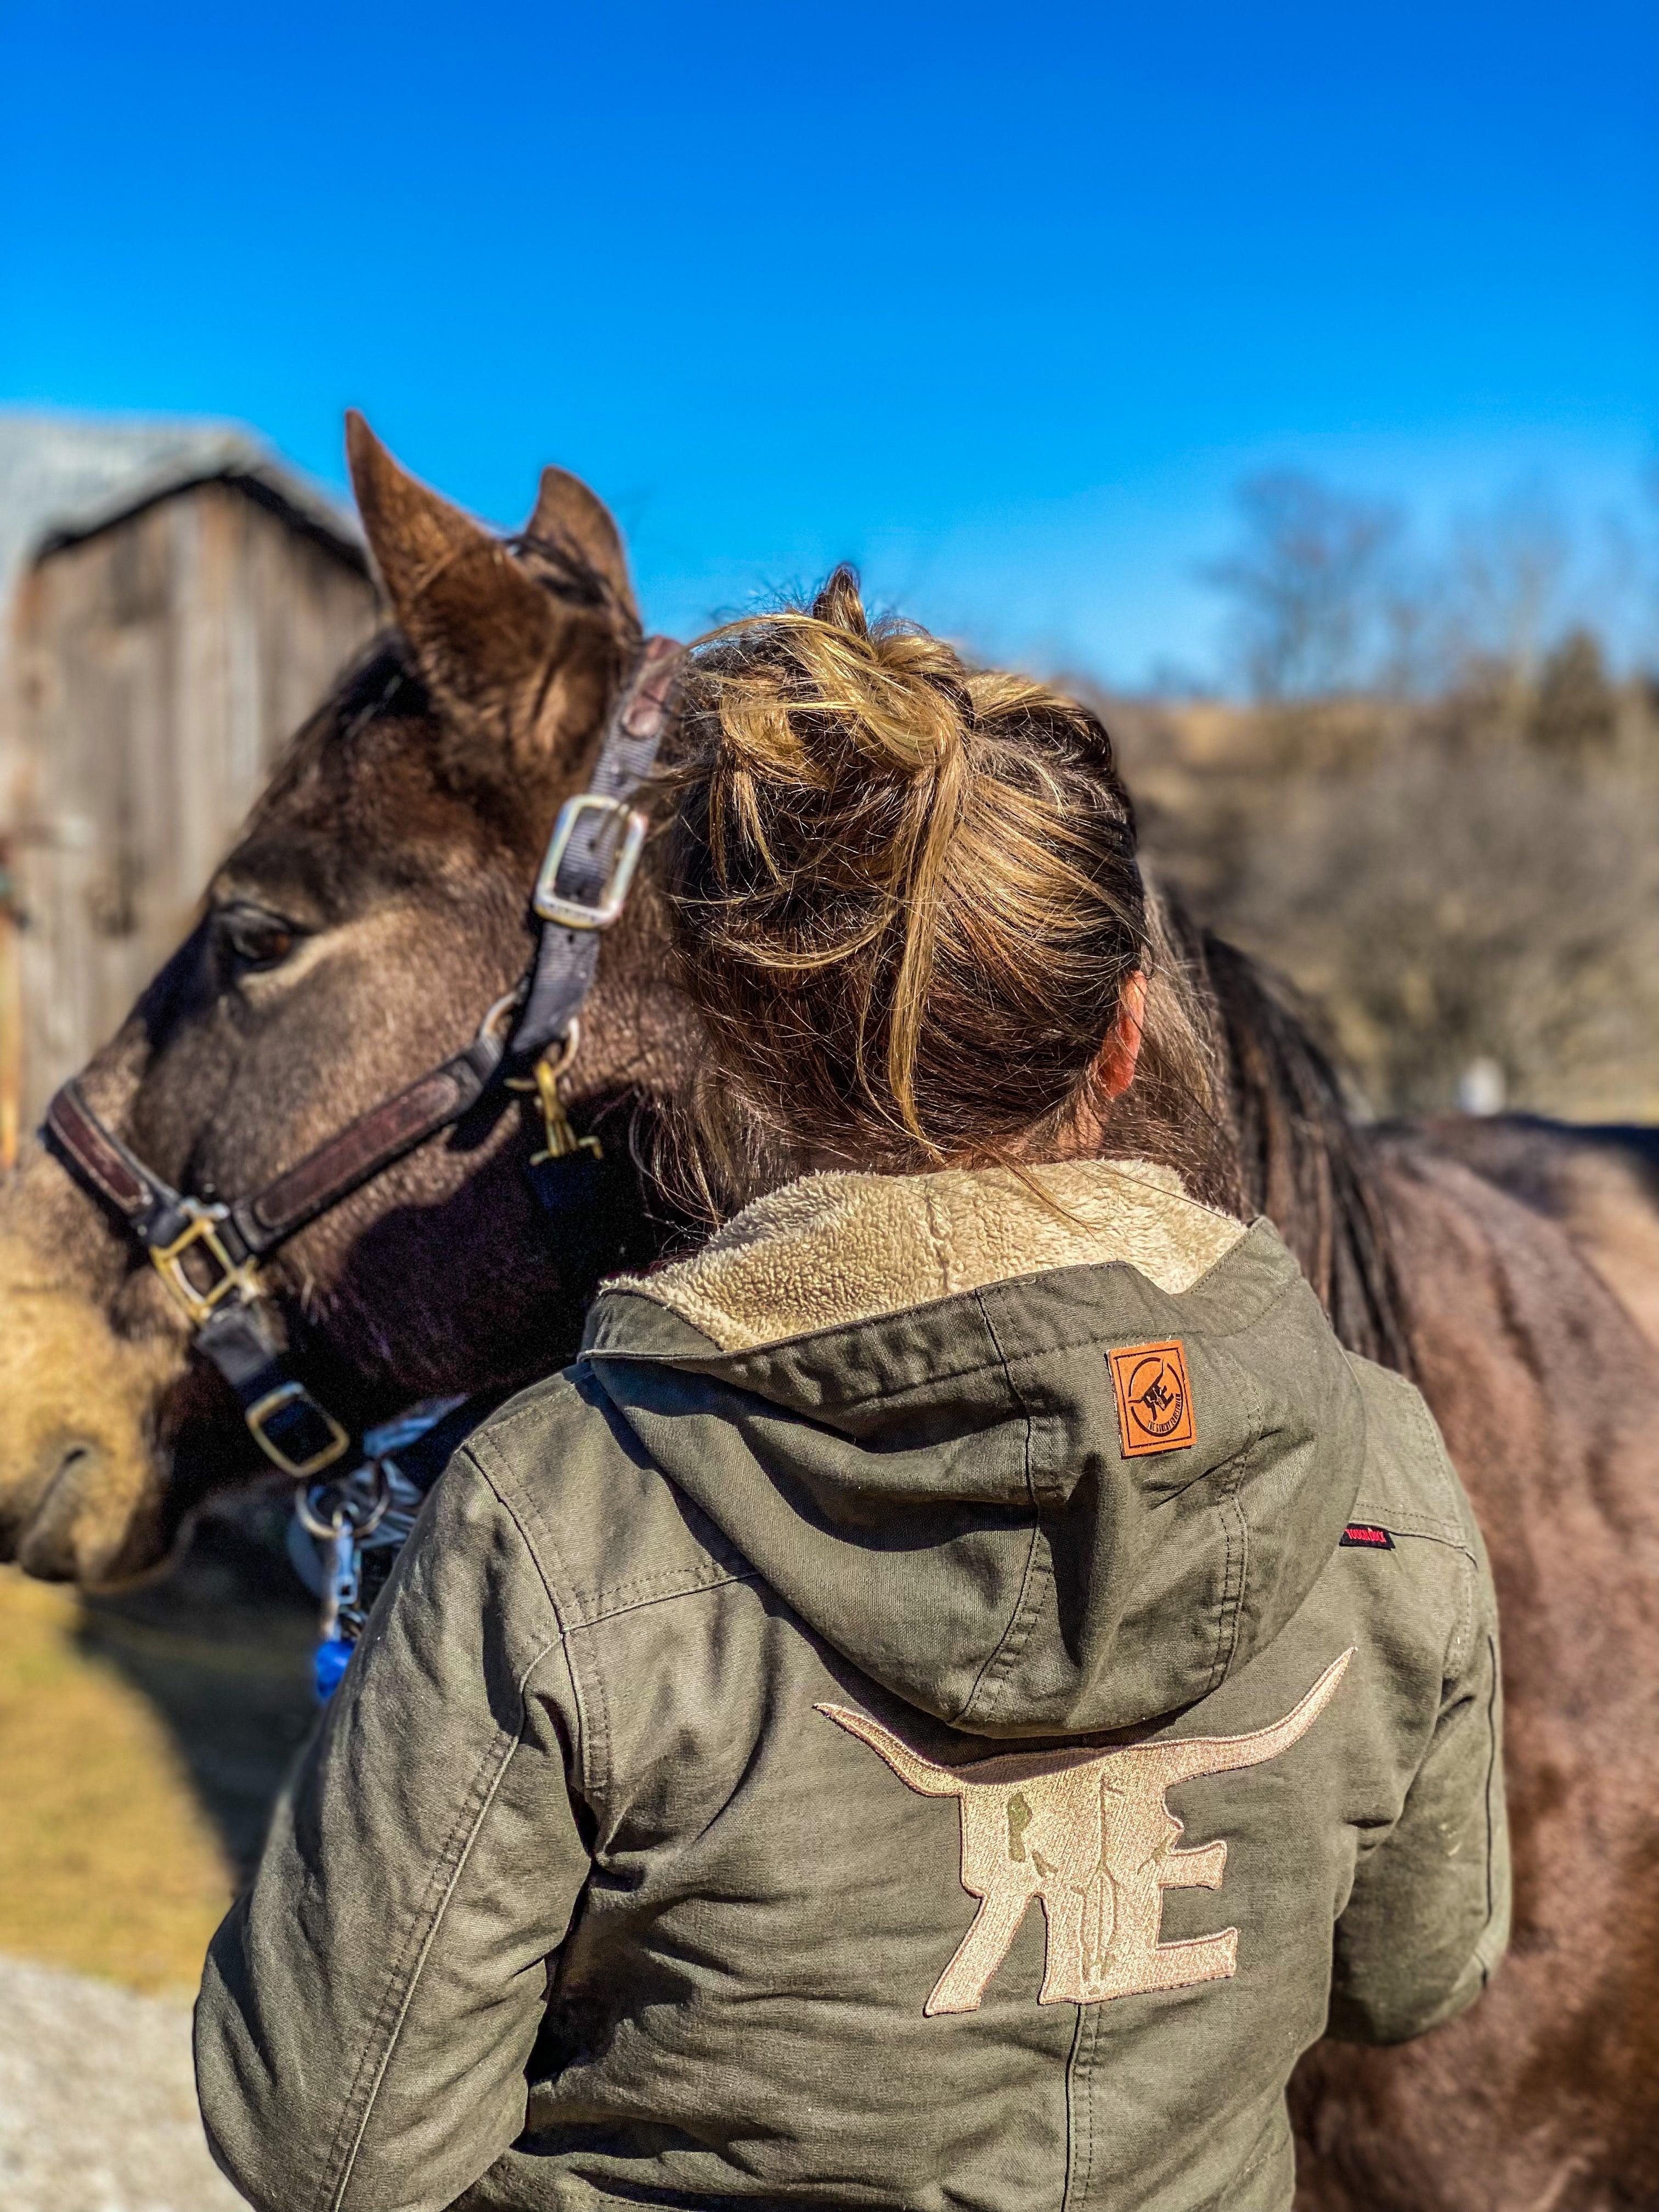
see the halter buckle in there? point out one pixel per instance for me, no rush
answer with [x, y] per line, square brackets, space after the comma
[230, 1275]
[577, 913]
[311, 1422]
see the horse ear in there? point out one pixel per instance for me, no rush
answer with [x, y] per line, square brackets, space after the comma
[567, 511]
[520, 674]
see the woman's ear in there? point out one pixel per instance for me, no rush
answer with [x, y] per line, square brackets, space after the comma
[1118, 1058]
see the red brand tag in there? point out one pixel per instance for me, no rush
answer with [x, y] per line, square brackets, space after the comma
[1366, 1536]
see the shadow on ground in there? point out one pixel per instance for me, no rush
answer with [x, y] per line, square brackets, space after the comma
[220, 1648]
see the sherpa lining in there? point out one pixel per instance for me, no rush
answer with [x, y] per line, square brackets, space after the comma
[833, 1248]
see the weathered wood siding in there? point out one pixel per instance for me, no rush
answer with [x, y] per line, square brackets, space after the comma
[155, 669]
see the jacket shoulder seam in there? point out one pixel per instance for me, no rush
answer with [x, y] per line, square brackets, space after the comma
[593, 1745]
[703, 1583]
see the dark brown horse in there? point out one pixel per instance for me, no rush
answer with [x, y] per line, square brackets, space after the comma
[376, 905]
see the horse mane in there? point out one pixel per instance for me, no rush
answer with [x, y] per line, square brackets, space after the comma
[1301, 1159]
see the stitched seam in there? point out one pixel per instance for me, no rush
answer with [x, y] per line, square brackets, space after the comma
[603, 1697]
[1230, 1505]
[1435, 1452]
[878, 1394]
[1431, 1535]
[1484, 1949]
[665, 1597]
[1067, 2198]
[1080, 2110]
[405, 1970]
[1465, 1620]
[885, 1394]
[1232, 1597]
[531, 1409]
[615, 1293]
[1444, 1532]
[1228, 1605]
[1266, 2142]
[578, 1609]
[606, 1598]
[993, 1675]
[521, 1509]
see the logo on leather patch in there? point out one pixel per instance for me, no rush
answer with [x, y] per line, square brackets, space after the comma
[1088, 1835]
[1154, 1399]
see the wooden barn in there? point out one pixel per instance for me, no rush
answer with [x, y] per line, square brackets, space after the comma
[174, 601]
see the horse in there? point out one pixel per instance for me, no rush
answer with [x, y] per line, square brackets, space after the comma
[371, 914]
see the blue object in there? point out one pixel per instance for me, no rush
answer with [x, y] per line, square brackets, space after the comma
[328, 1665]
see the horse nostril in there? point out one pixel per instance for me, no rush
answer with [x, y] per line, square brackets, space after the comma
[45, 1547]
[70, 1459]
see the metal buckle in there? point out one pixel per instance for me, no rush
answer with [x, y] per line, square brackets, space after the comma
[232, 1276]
[574, 914]
[260, 1416]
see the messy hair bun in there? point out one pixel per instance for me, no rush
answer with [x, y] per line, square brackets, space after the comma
[903, 896]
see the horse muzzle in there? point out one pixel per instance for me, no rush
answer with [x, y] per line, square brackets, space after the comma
[82, 1482]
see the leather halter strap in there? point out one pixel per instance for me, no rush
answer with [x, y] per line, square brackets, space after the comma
[207, 1254]
[596, 840]
[160, 1216]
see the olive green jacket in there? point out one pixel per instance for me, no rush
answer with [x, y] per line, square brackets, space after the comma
[938, 1707]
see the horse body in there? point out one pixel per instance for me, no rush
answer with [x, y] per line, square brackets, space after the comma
[373, 909]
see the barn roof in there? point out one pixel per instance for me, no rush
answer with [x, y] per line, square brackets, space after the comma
[64, 476]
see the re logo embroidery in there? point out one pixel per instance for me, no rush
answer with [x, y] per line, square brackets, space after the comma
[1088, 1834]
[1154, 1398]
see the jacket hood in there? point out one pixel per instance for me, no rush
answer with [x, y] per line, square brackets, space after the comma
[898, 1397]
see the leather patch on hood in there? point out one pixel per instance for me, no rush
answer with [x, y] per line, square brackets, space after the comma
[1154, 1398]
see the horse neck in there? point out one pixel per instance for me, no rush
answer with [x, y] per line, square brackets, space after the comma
[1301, 1161]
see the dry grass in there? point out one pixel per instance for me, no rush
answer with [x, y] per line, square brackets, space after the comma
[142, 1739]
[108, 1862]
[1455, 884]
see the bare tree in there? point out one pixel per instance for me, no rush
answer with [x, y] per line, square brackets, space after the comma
[1500, 589]
[1308, 582]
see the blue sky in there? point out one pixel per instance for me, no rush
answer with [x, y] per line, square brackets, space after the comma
[999, 301]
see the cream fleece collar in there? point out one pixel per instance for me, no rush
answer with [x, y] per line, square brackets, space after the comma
[833, 1248]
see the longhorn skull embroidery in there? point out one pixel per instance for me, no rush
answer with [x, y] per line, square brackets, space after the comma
[1088, 1833]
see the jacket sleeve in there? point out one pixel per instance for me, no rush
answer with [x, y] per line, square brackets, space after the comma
[1428, 1914]
[369, 2006]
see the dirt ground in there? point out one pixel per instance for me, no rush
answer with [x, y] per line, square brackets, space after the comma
[97, 2106]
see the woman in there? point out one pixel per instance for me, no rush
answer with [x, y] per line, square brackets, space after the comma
[964, 1680]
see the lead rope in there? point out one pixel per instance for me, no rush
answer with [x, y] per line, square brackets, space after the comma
[357, 1520]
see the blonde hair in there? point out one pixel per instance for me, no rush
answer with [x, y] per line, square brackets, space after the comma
[904, 902]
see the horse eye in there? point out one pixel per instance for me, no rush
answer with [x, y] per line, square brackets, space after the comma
[258, 940]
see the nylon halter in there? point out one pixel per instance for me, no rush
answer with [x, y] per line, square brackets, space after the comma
[209, 1253]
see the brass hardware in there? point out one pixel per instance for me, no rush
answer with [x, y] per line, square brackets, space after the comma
[260, 1417]
[562, 1142]
[203, 1234]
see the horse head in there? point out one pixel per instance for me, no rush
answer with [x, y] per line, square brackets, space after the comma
[375, 905]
